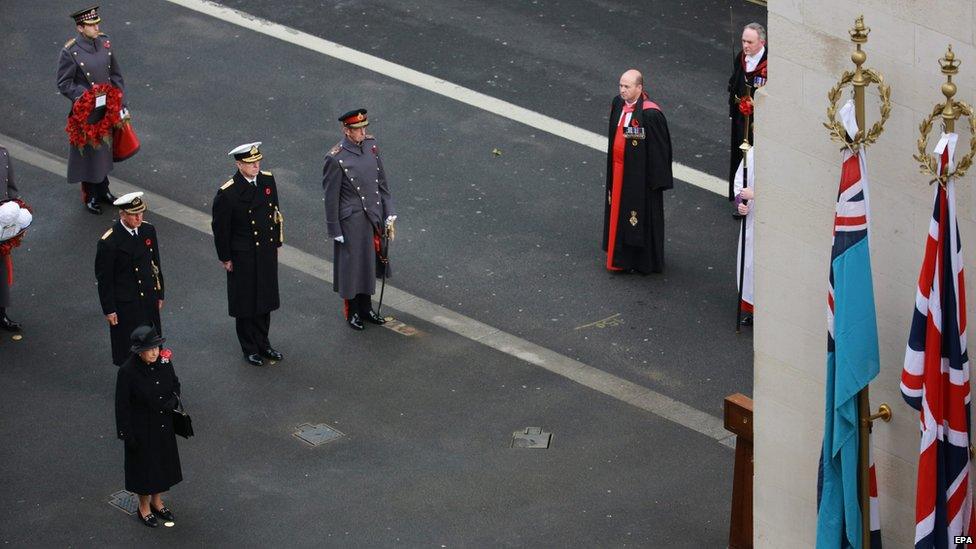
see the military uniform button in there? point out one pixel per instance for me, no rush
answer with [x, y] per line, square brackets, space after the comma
[357, 188]
[255, 232]
[257, 243]
[82, 64]
[142, 294]
[252, 222]
[137, 269]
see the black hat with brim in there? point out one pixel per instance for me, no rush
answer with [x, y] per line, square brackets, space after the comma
[145, 338]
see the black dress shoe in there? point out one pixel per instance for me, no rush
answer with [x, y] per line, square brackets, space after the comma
[108, 197]
[149, 520]
[163, 513]
[355, 322]
[746, 320]
[272, 354]
[254, 359]
[92, 206]
[374, 318]
[9, 325]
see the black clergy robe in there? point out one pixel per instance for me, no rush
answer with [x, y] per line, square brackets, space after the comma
[639, 155]
[739, 84]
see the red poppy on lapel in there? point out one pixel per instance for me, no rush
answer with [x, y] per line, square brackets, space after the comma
[148, 242]
[267, 191]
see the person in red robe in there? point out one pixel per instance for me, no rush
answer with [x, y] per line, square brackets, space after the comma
[638, 173]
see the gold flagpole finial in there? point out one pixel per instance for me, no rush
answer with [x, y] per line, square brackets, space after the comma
[859, 79]
[949, 111]
[950, 66]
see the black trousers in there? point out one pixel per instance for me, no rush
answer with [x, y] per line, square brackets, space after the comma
[252, 332]
[361, 304]
[97, 190]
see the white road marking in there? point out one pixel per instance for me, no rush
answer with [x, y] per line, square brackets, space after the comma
[436, 85]
[588, 376]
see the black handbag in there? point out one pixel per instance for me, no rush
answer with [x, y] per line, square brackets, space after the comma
[182, 423]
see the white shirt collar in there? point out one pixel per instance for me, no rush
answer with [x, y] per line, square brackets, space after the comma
[753, 60]
[132, 231]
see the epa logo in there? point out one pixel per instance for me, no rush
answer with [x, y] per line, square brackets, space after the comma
[963, 539]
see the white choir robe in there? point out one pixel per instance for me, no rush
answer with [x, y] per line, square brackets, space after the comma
[747, 272]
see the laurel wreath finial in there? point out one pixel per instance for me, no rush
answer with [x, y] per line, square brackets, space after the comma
[927, 163]
[834, 126]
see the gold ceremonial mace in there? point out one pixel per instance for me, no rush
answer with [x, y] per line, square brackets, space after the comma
[859, 79]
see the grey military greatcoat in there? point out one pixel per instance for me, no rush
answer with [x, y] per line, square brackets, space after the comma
[357, 201]
[83, 63]
[8, 190]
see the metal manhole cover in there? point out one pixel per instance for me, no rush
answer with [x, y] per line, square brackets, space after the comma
[316, 434]
[531, 437]
[126, 501]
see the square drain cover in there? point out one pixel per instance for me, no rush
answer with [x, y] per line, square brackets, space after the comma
[531, 437]
[316, 434]
[126, 501]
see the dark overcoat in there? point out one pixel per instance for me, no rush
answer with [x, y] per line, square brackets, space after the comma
[739, 84]
[647, 173]
[83, 63]
[144, 401]
[8, 190]
[247, 231]
[357, 203]
[129, 275]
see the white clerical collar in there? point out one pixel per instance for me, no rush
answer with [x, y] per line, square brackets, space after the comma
[753, 60]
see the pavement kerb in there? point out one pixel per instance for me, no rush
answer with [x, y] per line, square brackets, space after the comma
[636, 395]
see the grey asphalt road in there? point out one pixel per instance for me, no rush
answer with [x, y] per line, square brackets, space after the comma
[511, 240]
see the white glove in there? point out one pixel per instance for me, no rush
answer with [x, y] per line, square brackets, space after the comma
[340, 239]
[124, 113]
[390, 220]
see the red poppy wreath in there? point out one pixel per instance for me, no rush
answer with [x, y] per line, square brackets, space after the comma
[80, 131]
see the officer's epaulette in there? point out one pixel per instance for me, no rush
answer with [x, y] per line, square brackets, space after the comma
[146, 223]
[265, 173]
[336, 149]
[107, 234]
[69, 43]
[228, 184]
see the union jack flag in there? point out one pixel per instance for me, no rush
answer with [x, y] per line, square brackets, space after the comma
[935, 378]
[852, 362]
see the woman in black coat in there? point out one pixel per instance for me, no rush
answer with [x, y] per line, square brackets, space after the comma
[146, 390]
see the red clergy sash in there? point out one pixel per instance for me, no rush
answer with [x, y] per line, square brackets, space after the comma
[619, 144]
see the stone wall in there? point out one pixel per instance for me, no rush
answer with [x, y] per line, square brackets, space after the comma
[798, 170]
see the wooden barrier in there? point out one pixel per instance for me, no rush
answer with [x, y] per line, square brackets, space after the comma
[738, 421]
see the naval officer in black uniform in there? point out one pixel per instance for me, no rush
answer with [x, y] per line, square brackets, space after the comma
[129, 275]
[358, 208]
[247, 229]
[86, 60]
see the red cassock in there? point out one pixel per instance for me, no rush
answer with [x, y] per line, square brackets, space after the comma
[638, 171]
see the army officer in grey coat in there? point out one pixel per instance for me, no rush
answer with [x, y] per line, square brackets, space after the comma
[86, 60]
[358, 207]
